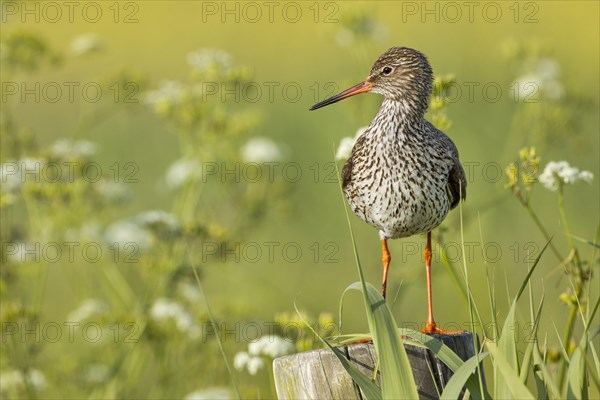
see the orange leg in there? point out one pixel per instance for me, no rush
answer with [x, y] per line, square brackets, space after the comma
[431, 327]
[385, 258]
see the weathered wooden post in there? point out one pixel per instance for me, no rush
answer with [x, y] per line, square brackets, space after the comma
[319, 375]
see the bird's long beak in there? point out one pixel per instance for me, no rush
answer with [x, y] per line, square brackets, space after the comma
[362, 87]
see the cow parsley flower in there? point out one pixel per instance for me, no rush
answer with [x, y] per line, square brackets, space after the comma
[344, 150]
[165, 309]
[243, 360]
[73, 149]
[123, 233]
[271, 346]
[158, 221]
[168, 92]
[266, 347]
[560, 173]
[204, 59]
[260, 150]
[183, 171]
[541, 78]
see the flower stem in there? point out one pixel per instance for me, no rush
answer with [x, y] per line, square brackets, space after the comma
[563, 217]
[567, 339]
[579, 281]
[543, 230]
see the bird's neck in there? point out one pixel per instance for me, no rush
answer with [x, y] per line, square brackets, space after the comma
[396, 119]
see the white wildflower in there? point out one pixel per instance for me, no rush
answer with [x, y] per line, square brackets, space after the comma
[541, 78]
[548, 68]
[165, 309]
[586, 176]
[127, 232]
[167, 92]
[240, 360]
[204, 59]
[87, 309]
[14, 173]
[213, 393]
[183, 171]
[158, 219]
[344, 150]
[251, 363]
[271, 346]
[528, 87]
[261, 149]
[71, 149]
[560, 173]
[254, 364]
[85, 44]
[36, 379]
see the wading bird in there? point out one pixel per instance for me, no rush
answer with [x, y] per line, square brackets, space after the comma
[404, 174]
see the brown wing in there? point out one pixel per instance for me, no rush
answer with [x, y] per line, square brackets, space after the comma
[457, 181]
[457, 184]
[347, 173]
[347, 170]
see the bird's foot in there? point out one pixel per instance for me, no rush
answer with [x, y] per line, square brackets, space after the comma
[432, 329]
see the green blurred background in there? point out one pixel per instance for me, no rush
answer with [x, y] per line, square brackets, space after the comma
[312, 54]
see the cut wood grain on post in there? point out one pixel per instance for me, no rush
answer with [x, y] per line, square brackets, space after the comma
[318, 374]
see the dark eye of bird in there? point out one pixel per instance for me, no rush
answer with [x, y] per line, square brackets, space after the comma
[387, 70]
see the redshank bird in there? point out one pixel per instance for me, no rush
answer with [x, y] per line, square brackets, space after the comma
[404, 174]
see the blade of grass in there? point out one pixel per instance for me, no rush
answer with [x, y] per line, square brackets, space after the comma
[516, 388]
[470, 296]
[369, 388]
[563, 349]
[397, 381]
[589, 290]
[451, 270]
[491, 288]
[595, 379]
[528, 355]
[461, 375]
[577, 387]
[506, 343]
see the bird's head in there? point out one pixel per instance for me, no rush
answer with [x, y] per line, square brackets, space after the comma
[400, 74]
